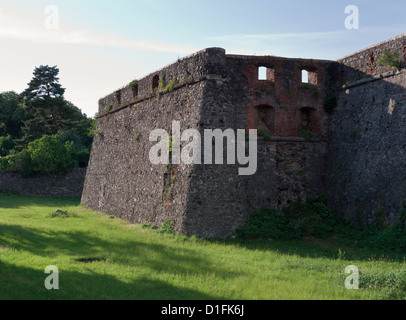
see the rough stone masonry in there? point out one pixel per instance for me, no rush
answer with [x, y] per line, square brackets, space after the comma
[354, 154]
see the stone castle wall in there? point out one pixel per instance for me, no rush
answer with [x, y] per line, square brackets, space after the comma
[67, 185]
[353, 156]
[367, 149]
[365, 63]
[210, 90]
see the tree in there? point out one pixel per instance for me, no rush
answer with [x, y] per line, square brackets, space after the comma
[6, 145]
[48, 155]
[48, 111]
[40, 131]
[76, 127]
[12, 115]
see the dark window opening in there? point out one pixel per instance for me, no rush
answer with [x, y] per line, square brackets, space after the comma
[118, 97]
[371, 62]
[134, 88]
[155, 83]
[265, 119]
[307, 118]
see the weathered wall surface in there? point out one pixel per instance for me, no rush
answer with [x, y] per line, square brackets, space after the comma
[366, 173]
[121, 179]
[365, 63]
[211, 90]
[67, 185]
[355, 156]
[367, 150]
[290, 168]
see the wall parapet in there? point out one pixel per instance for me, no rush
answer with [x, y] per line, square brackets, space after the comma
[186, 71]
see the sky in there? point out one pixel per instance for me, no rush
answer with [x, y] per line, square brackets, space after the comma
[99, 46]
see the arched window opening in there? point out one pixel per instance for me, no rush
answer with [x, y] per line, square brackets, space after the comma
[155, 83]
[118, 97]
[134, 88]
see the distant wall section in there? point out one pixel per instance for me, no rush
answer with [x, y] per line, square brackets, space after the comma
[365, 63]
[68, 185]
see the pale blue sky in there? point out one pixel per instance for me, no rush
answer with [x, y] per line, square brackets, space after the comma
[102, 45]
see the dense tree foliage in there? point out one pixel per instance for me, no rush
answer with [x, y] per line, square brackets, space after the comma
[48, 112]
[29, 120]
[12, 115]
[48, 155]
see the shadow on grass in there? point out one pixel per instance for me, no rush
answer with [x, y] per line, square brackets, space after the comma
[21, 283]
[84, 246]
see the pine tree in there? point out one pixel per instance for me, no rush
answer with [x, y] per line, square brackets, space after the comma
[49, 113]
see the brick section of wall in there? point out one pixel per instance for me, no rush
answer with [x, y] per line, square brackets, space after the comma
[285, 92]
[66, 185]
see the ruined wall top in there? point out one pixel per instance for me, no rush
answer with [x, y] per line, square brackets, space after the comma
[188, 70]
[364, 63]
[214, 63]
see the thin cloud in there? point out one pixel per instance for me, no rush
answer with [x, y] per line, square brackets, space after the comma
[306, 36]
[28, 27]
[328, 44]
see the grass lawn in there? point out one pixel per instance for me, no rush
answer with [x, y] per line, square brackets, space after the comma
[101, 257]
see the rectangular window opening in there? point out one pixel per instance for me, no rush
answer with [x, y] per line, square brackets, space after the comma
[262, 73]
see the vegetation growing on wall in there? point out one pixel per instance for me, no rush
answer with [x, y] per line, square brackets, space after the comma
[391, 59]
[169, 86]
[133, 85]
[265, 135]
[330, 103]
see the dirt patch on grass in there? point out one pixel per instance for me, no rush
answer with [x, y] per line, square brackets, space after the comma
[91, 260]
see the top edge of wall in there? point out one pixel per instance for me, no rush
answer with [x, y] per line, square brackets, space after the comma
[374, 46]
[206, 50]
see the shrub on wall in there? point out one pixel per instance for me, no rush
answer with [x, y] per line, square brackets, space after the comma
[391, 59]
[330, 103]
[47, 155]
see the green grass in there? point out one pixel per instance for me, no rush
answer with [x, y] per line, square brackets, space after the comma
[134, 262]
